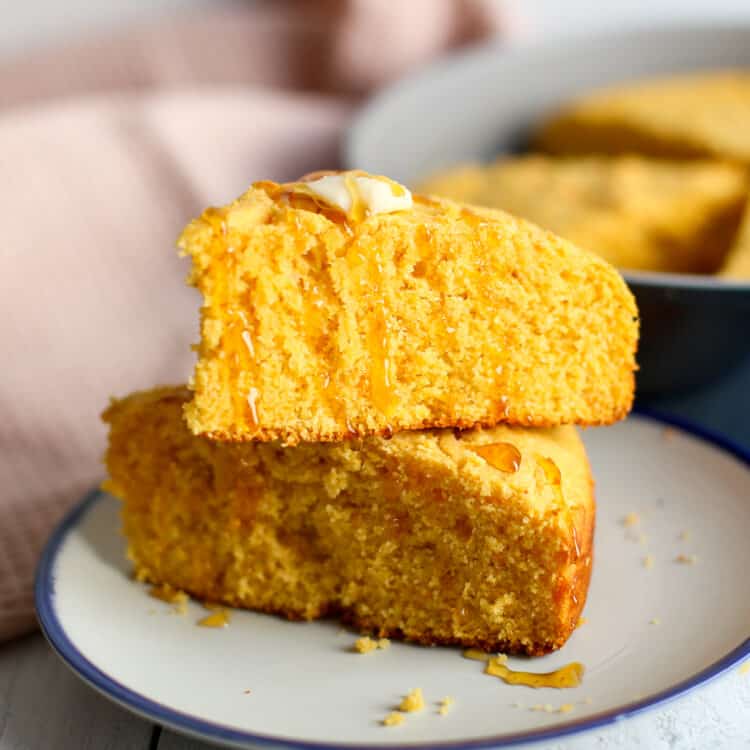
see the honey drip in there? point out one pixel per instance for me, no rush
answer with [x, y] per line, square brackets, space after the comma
[367, 274]
[503, 456]
[237, 350]
[550, 469]
[218, 619]
[569, 676]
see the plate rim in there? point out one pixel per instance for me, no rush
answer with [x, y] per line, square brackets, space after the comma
[184, 723]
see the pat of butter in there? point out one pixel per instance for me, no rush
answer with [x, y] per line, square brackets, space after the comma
[376, 195]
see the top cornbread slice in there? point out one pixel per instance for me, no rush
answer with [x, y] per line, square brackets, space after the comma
[686, 116]
[636, 212]
[315, 327]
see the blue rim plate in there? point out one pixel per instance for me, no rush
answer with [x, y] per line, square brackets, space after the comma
[186, 723]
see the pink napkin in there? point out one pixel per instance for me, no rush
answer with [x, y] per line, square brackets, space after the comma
[108, 148]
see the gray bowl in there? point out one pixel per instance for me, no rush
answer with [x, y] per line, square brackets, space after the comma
[480, 103]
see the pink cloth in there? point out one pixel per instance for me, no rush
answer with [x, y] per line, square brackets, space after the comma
[108, 148]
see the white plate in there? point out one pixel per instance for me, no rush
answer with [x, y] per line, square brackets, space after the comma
[309, 689]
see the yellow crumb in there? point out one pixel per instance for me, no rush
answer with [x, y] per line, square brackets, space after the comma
[549, 708]
[180, 607]
[648, 561]
[219, 619]
[566, 708]
[412, 701]
[686, 559]
[445, 705]
[632, 519]
[745, 668]
[394, 719]
[654, 621]
[582, 621]
[364, 645]
[166, 593]
[684, 536]
[537, 707]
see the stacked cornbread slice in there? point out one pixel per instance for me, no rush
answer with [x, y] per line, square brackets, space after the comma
[380, 424]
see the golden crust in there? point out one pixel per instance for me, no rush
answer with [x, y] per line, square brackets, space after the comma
[301, 436]
[418, 537]
[442, 316]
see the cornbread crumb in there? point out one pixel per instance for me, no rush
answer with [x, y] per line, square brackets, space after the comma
[394, 719]
[445, 705]
[686, 559]
[218, 619]
[365, 645]
[654, 621]
[180, 607]
[632, 519]
[684, 536]
[412, 701]
[566, 708]
[745, 668]
[549, 708]
[648, 561]
[582, 621]
[167, 593]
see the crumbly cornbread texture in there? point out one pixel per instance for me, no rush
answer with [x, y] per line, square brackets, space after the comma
[419, 537]
[685, 116]
[636, 212]
[314, 328]
[737, 262]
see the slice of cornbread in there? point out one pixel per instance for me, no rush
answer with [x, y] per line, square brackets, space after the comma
[636, 212]
[320, 327]
[481, 538]
[684, 116]
[737, 262]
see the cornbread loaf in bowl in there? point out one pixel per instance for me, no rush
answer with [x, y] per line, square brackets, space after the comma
[319, 327]
[694, 325]
[478, 538]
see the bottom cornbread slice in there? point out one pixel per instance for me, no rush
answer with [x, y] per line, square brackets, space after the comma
[479, 538]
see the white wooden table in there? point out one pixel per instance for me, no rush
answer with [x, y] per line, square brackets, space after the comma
[44, 706]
